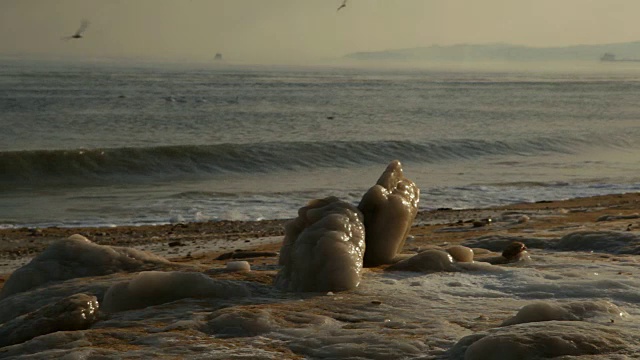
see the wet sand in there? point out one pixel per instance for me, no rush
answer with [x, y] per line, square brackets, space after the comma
[204, 243]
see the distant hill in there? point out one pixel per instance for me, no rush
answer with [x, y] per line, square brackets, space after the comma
[501, 52]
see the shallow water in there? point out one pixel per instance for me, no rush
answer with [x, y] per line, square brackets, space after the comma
[99, 144]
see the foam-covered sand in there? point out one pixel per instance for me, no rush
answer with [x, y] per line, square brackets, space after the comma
[576, 295]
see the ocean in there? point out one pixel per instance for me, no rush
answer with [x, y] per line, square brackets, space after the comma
[106, 145]
[98, 144]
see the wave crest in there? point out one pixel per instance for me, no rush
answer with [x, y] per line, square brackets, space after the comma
[83, 166]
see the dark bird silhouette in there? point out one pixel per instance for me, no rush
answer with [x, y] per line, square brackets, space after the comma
[344, 4]
[78, 34]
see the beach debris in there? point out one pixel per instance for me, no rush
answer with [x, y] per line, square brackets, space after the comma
[482, 222]
[36, 232]
[389, 208]
[238, 266]
[150, 288]
[175, 243]
[514, 251]
[323, 248]
[523, 219]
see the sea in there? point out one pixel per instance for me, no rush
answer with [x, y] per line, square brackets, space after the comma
[109, 144]
[103, 144]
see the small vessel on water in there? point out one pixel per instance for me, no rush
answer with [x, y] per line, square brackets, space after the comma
[218, 57]
[612, 58]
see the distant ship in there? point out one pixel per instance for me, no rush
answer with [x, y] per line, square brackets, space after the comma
[611, 57]
[218, 57]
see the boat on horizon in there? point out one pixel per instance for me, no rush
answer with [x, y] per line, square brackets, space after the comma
[609, 57]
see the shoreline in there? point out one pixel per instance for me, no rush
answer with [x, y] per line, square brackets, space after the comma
[593, 270]
[175, 241]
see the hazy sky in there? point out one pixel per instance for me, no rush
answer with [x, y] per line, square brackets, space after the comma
[285, 31]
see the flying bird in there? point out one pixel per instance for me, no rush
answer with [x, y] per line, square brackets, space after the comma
[78, 34]
[344, 4]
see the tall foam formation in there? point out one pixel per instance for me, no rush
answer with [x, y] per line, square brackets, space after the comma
[389, 208]
[325, 247]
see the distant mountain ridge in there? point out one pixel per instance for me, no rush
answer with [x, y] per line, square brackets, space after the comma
[502, 52]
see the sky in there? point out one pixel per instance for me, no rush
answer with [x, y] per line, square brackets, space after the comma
[300, 31]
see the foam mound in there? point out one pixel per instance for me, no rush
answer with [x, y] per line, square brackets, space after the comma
[427, 261]
[247, 322]
[76, 312]
[573, 311]
[461, 253]
[239, 266]
[156, 287]
[612, 242]
[76, 257]
[323, 248]
[498, 243]
[542, 341]
[389, 208]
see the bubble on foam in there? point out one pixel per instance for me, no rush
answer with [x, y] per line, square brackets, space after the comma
[239, 266]
[74, 257]
[461, 253]
[323, 248]
[155, 287]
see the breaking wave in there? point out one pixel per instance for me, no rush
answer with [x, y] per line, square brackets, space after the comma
[126, 165]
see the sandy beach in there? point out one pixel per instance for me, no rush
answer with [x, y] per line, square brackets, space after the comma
[205, 241]
[207, 247]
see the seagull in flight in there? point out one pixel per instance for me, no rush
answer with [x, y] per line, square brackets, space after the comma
[78, 34]
[344, 4]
